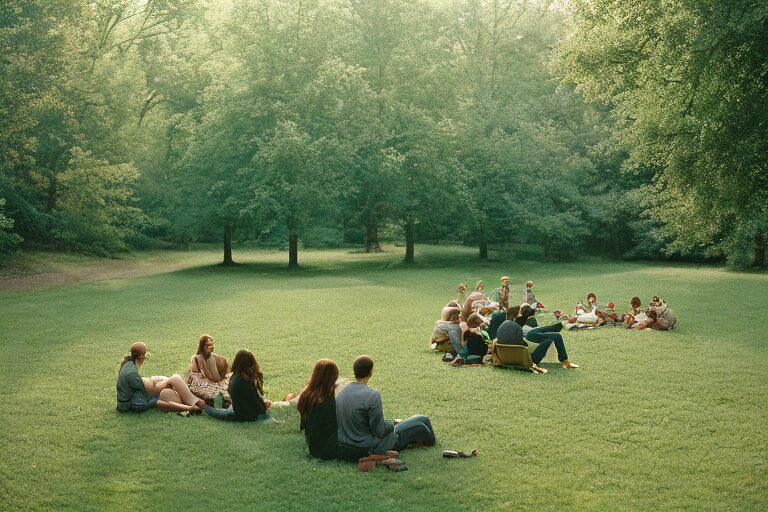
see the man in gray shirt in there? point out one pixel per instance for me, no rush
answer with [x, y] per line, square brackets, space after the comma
[360, 417]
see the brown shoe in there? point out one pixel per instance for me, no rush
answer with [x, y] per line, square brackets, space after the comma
[366, 466]
[568, 365]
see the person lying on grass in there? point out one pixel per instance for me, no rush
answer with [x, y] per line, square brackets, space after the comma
[246, 390]
[137, 393]
[207, 376]
[360, 417]
[544, 336]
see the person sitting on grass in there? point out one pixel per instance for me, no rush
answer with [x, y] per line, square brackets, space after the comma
[602, 311]
[544, 336]
[496, 320]
[660, 318]
[137, 393]
[246, 390]
[360, 417]
[636, 313]
[510, 333]
[447, 329]
[317, 408]
[449, 307]
[473, 340]
[208, 375]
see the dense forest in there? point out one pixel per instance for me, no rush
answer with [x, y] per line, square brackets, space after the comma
[635, 130]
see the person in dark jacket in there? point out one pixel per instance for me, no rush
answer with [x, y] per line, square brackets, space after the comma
[246, 391]
[317, 407]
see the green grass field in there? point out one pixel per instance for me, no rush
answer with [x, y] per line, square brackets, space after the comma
[652, 421]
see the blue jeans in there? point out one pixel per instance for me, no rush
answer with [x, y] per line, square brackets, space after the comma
[415, 428]
[227, 414]
[220, 414]
[545, 336]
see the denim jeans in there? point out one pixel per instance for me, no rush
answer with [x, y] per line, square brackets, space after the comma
[220, 414]
[415, 428]
[227, 414]
[545, 336]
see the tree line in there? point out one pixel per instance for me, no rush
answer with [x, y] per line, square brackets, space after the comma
[633, 131]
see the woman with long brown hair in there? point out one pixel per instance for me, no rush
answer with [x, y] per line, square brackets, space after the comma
[317, 407]
[246, 389]
[207, 376]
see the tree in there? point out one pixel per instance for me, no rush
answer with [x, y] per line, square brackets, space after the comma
[290, 182]
[687, 84]
[96, 212]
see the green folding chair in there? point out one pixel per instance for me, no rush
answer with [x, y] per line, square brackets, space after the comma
[515, 356]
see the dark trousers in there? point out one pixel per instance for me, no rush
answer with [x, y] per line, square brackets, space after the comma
[414, 429]
[545, 336]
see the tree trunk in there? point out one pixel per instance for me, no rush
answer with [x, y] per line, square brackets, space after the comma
[760, 241]
[372, 238]
[410, 240]
[228, 231]
[51, 193]
[293, 246]
[483, 249]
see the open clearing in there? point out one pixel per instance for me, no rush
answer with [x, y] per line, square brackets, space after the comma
[652, 421]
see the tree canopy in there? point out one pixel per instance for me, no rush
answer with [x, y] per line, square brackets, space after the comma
[632, 130]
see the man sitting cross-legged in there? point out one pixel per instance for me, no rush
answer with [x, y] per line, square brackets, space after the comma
[360, 417]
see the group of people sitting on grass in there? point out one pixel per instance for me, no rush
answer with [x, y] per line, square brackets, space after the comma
[340, 420]
[471, 326]
[657, 316]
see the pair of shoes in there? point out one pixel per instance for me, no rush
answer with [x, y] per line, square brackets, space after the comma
[451, 454]
[568, 365]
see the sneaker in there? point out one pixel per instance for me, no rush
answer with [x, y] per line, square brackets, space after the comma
[569, 365]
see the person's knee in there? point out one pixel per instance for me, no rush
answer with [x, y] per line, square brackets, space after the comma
[169, 395]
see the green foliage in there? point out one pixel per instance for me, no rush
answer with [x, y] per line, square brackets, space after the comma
[444, 118]
[687, 83]
[9, 242]
[96, 212]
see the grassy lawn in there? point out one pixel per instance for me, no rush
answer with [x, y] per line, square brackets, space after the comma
[652, 421]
